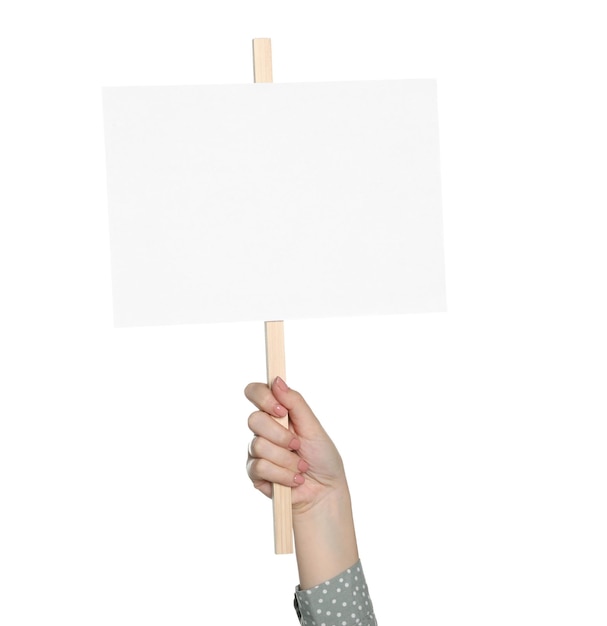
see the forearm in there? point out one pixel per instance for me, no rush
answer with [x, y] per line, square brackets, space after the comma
[325, 540]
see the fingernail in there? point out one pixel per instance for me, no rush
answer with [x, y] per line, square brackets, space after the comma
[295, 443]
[298, 479]
[303, 466]
[280, 383]
[280, 410]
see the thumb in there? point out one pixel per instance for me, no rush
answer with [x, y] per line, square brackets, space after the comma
[304, 421]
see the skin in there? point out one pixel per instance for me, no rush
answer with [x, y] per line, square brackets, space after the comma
[303, 457]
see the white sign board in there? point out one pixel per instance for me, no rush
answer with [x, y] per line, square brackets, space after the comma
[274, 201]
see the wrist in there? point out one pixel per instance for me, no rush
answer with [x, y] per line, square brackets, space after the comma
[325, 540]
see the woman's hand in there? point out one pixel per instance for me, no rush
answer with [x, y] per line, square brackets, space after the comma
[301, 456]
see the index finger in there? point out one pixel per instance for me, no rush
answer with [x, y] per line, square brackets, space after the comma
[261, 396]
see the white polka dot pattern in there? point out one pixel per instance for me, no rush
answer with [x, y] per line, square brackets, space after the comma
[342, 601]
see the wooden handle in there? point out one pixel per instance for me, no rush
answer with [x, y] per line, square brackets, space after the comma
[281, 495]
[275, 346]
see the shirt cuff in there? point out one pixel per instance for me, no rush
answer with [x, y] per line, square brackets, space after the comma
[341, 601]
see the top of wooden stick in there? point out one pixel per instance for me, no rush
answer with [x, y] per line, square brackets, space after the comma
[262, 60]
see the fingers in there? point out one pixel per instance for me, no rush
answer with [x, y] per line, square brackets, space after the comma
[261, 396]
[272, 457]
[281, 400]
[276, 465]
[264, 426]
[301, 415]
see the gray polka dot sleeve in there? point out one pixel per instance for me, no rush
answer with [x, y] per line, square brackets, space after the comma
[342, 601]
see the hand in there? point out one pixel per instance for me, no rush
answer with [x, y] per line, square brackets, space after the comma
[302, 456]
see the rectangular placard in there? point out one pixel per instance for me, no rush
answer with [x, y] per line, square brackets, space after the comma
[274, 201]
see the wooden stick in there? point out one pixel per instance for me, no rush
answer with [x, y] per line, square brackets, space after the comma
[275, 346]
[281, 495]
[262, 60]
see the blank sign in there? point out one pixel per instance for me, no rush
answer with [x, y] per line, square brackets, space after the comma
[274, 201]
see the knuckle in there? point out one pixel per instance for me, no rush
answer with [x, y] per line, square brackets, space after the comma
[260, 448]
[297, 396]
[253, 420]
[259, 469]
[254, 447]
[256, 392]
[253, 468]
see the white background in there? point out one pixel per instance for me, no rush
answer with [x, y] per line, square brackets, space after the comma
[474, 440]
